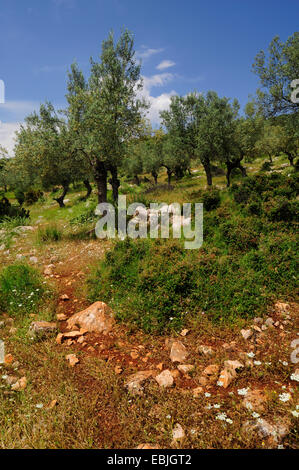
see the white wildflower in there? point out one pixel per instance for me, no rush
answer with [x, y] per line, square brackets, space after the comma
[295, 377]
[221, 417]
[243, 391]
[284, 397]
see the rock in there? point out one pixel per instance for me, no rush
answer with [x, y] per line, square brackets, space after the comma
[178, 433]
[61, 317]
[206, 350]
[226, 377]
[33, 259]
[64, 297]
[39, 329]
[211, 371]
[74, 334]
[197, 391]
[21, 384]
[184, 332]
[233, 365]
[148, 446]
[72, 359]
[25, 228]
[8, 359]
[134, 381]
[97, 318]
[258, 320]
[281, 307]
[185, 368]
[273, 432]
[59, 338]
[48, 271]
[255, 400]
[246, 334]
[165, 379]
[203, 381]
[178, 352]
[11, 379]
[269, 322]
[2, 247]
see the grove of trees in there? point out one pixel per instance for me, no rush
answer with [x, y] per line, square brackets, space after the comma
[104, 133]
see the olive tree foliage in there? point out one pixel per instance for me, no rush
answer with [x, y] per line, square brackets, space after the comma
[3, 168]
[288, 136]
[104, 111]
[180, 143]
[44, 154]
[276, 71]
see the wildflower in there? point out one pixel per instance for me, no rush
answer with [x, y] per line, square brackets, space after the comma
[207, 394]
[217, 406]
[229, 421]
[284, 397]
[257, 363]
[251, 354]
[255, 415]
[221, 417]
[243, 391]
[295, 413]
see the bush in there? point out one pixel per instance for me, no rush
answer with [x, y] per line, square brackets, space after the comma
[49, 234]
[32, 196]
[9, 211]
[266, 166]
[211, 200]
[21, 289]
[20, 197]
[280, 209]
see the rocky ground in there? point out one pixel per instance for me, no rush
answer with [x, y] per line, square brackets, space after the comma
[207, 387]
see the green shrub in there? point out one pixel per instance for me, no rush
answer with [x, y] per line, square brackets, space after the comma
[9, 211]
[211, 200]
[280, 208]
[21, 289]
[49, 234]
[266, 166]
[32, 196]
[20, 197]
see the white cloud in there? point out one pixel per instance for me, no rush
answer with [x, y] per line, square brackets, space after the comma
[17, 110]
[160, 102]
[146, 53]
[165, 64]
[7, 134]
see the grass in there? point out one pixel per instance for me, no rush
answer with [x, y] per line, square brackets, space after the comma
[21, 290]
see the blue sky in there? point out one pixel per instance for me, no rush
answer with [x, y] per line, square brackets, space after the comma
[184, 46]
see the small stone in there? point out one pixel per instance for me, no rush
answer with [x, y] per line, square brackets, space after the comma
[185, 368]
[40, 329]
[206, 350]
[258, 320]
[21, 384]
[148, 446]
[59, 338]
[64, 297]
[269, 322]
[33, 259]
[226, 377]
[178, 352]
[233, 365]
[165, 379]
[178, 432]
[134, 381]
[211, 370]
[255, 400]
[184, 332]
[197, 391]
[72, 359]
[246, 334]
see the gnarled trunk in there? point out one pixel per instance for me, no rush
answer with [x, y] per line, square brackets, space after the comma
[101, 181]
[60, 199]
[207, 168]
[291, 158]
[89, 189]
[115, 183]
[155, 176]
